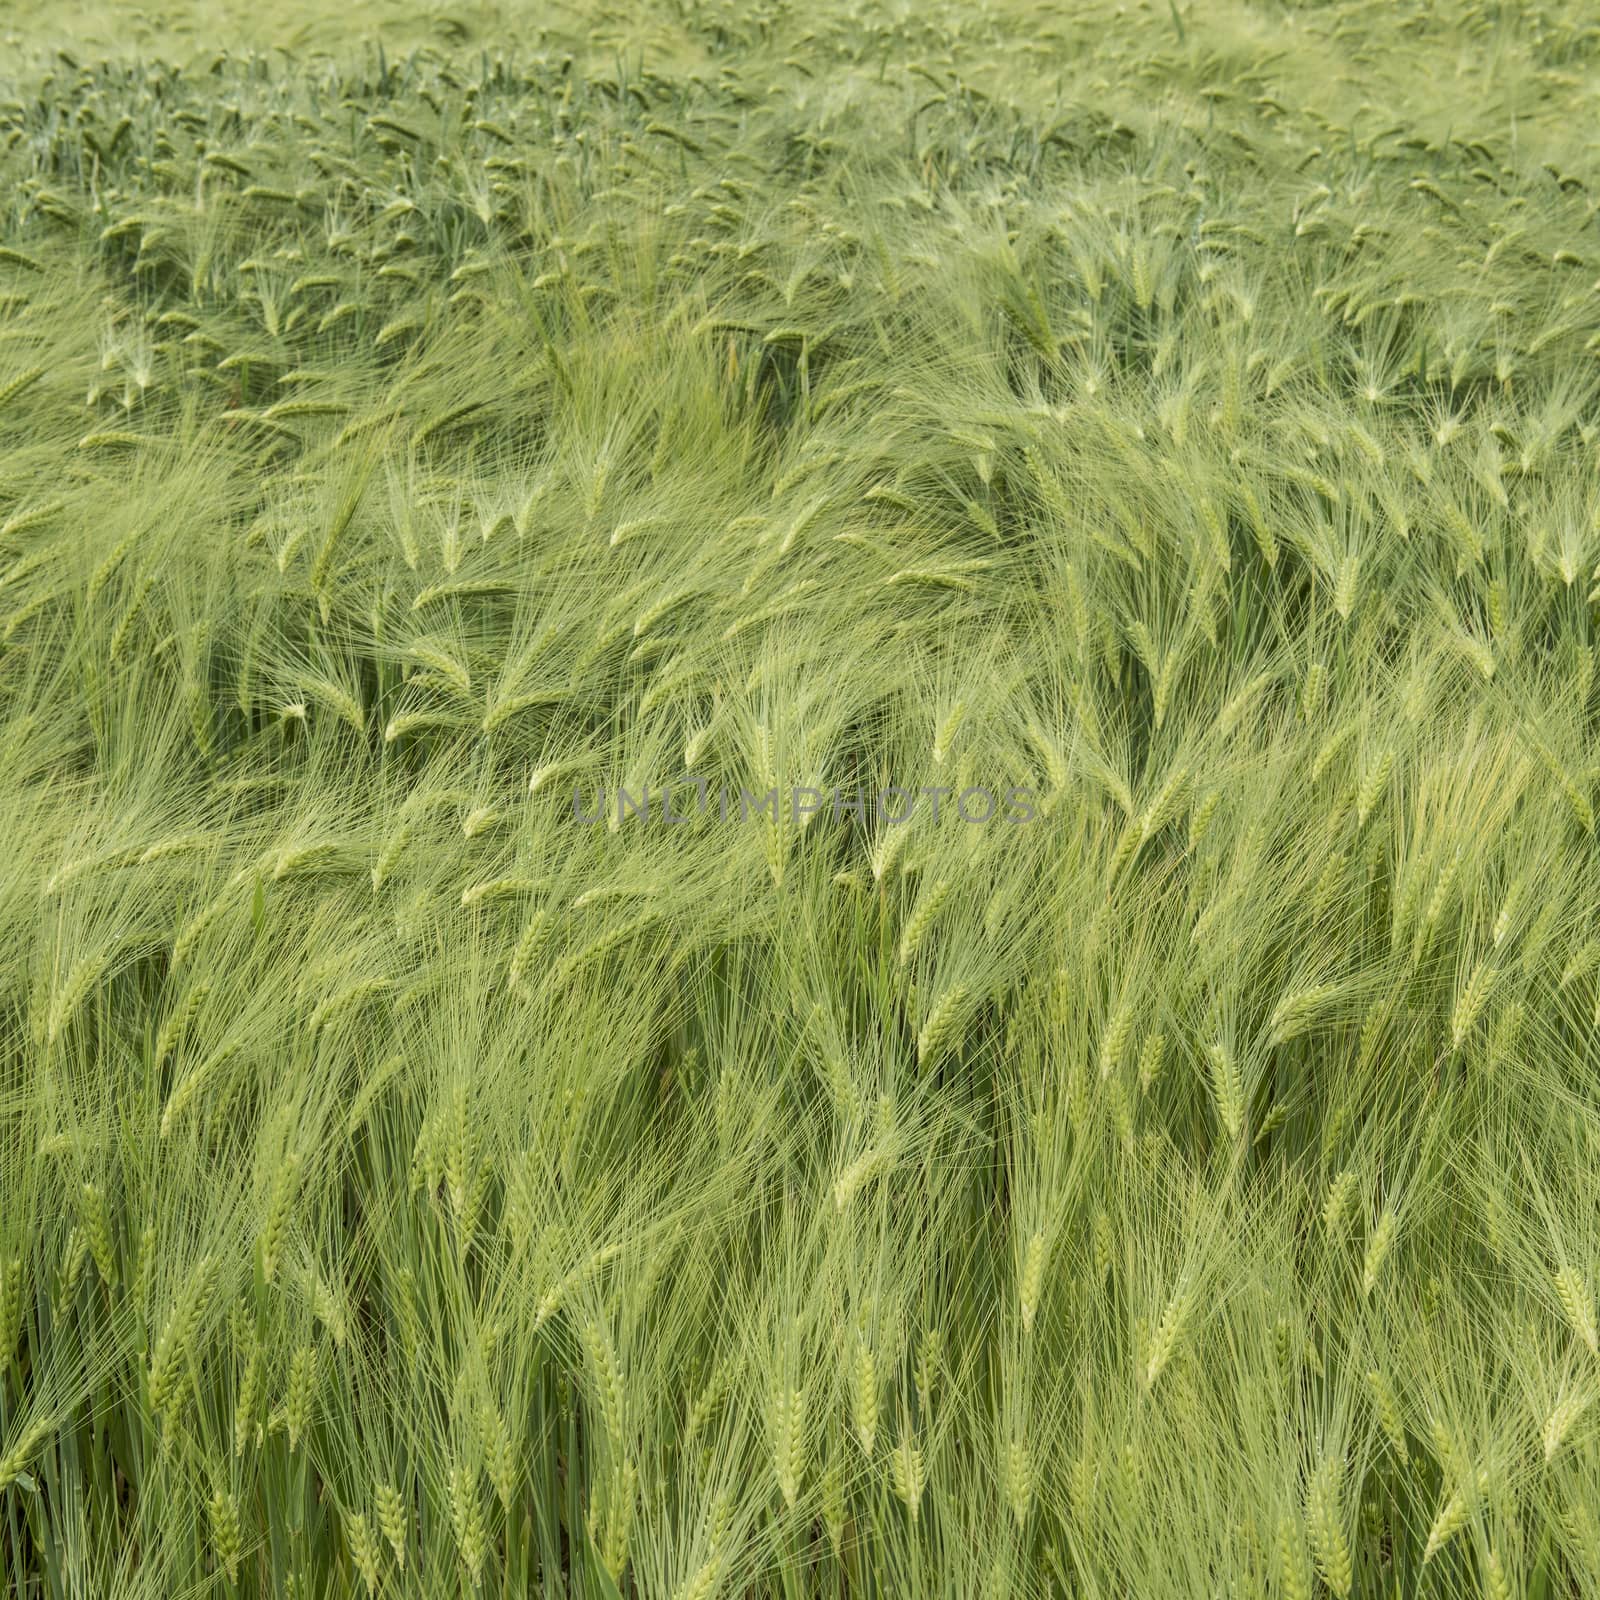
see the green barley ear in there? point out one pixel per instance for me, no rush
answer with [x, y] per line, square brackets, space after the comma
[363, 1550]
[1388, 1408]
[1312, 689]
[326, 1304]
[1470, 1003]
[11, 389]
[191, 933]
[886, 850]
[1336, 1205]
[1581, 963]
[1373, 782]
[1031, 1282]
[1325, 1522]
[1496, 1580]
[1019, 1480]
[1121, 1111]
[184, 1093]
[1164, 1340]
[1454, 1513]
[1378, 1247]
[1296, 1012]
[1150, 1061]
[178, 1024]
[930, 1356]
[1443, 890]
[1345, 586]
[608, 1386]
[1227, 1086]
[703, 1584]
[97, 1230]
[1330, 748]
[500, 1460]
[279, 1206]
[65, 1002]
[77, 1253]
[15, 1461]
[227, 1545]
[144, 1267]
[1577, 1304]
[922, 919]
[1328, 882]
[1103, 1244]
[172, 1343]
[392, 1521]
[1078, 1091]
[908, 1471]
[1283, 1345]
[1082, 1482]
[466, 1522]
[301, 1393]
[619, 1521]
[1294, 1565]
[1445, 1449]
[10, 1308]
[1567, 1409]
[528, 948]
[394, 847]
[833, 1505]
[706, 1402]
[246, 1414]
[1167, 800]
[945, 734]
[1115, 1039]
[787, 1413]
[1510, 907]
[941, 1024]
[1200, 821]
[864, 1394]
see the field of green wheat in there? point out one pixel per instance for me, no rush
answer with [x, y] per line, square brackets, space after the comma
[798, 800]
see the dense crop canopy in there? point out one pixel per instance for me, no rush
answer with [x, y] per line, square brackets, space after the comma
[1150, 448]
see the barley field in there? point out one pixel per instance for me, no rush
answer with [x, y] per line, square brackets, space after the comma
[799, 800]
